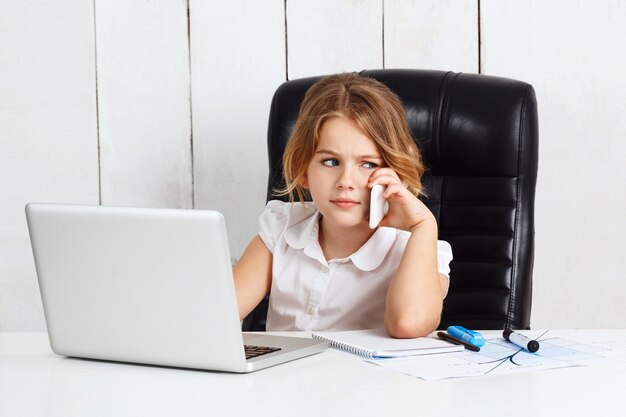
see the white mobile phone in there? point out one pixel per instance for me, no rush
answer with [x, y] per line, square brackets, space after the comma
[377, 205]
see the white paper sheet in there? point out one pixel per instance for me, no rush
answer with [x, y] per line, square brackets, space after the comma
[558, 349]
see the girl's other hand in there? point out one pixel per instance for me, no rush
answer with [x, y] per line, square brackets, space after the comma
[405, 210]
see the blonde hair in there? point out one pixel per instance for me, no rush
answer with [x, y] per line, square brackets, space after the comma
[373, 107]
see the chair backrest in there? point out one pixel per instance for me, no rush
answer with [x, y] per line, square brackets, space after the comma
[479, 137]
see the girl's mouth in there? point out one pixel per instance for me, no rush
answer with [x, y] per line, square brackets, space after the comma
[345, 202]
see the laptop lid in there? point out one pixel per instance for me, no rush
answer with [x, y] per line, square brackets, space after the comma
[137, 285]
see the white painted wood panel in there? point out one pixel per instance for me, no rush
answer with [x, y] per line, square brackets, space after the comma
[237, 62]
[48, 135]
[573, 54]
[329, 36]
[143, 102]
[432, 34]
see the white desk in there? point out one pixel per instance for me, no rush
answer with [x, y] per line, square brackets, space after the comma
[35, 382]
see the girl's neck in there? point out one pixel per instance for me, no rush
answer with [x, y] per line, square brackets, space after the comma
[338, 243]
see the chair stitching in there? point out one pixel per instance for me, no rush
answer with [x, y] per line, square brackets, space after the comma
[517, 209]
[445, 97]
[437, 115]
[445, 111]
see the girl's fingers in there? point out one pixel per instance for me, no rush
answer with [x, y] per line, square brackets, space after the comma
[395, 188]
[384, 180]
[387, 174]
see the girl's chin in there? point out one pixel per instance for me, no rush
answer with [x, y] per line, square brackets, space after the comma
[346, 222]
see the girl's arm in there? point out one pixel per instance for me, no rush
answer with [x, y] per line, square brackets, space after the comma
[415, 295]
[253, 276]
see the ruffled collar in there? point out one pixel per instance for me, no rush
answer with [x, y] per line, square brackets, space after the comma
[304, 235]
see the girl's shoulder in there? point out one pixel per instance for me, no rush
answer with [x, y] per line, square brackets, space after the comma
[278, 216]
[289, 213]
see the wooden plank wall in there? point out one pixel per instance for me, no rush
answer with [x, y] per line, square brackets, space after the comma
[431, 34]
[165, 104]
[329, 36]
[143, 103]
[237, 62]
[573, 55]
[48, 134]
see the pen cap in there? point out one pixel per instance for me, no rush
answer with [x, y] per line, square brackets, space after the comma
[533, 346]
[469, 336]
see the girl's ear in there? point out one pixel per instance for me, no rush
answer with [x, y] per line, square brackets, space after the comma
[304, 182]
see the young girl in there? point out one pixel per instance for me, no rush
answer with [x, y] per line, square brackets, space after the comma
[319, 261]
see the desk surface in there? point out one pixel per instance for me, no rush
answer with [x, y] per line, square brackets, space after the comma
[35, 382]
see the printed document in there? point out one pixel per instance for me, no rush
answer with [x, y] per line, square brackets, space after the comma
[559, 349]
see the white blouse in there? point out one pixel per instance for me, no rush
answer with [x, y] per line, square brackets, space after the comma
[310, 293]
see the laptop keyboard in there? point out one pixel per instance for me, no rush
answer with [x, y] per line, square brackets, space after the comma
[254, 351]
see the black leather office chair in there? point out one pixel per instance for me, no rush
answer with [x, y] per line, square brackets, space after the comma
[479, 139]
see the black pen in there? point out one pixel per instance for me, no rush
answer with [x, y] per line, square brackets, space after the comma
[452, 339]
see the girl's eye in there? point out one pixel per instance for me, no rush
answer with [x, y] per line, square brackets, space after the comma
[370, 165]
[330, 162]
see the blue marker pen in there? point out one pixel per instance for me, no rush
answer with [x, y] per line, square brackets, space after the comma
[470, 336]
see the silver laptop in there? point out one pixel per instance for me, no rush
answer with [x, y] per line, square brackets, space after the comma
[150, 286]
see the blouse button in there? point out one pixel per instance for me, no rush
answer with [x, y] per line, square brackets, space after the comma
[325, 269]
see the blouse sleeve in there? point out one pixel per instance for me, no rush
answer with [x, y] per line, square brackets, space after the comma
[444, 257]
[272, 222]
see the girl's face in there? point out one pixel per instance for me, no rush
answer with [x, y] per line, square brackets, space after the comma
[337, 175]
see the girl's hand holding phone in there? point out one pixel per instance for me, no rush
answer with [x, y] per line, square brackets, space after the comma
[405, 210]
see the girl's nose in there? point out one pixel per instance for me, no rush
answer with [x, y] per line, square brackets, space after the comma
[346, 180]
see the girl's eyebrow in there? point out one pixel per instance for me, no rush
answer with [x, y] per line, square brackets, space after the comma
[329, 152]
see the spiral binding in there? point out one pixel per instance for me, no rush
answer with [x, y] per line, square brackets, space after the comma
[347, 347]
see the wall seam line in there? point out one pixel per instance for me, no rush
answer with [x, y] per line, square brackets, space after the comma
[286, 44]
[383, 37]
[95, 44]
[193, 186]
[480, 63]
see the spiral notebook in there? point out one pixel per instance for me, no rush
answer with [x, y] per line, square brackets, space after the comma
[377, 344]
